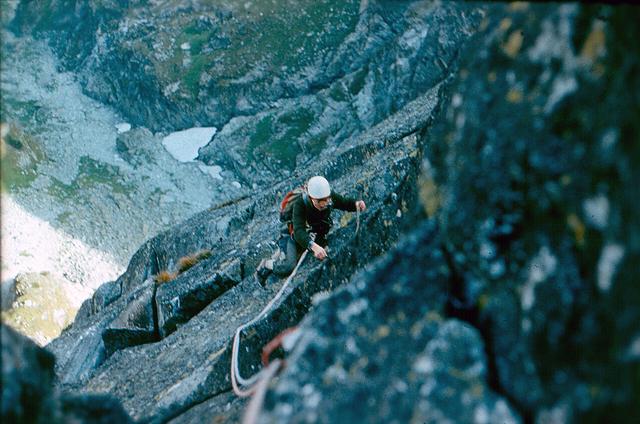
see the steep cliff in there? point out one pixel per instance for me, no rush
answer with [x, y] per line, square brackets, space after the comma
[492, 278]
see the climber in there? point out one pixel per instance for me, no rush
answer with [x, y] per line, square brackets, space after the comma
[305, 212]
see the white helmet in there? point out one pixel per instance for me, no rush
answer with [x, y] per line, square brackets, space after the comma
[318, 187]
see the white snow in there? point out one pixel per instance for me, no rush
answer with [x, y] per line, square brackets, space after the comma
[183, 145]
[123, 127]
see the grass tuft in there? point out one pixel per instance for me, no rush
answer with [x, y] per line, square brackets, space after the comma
[164, 277]
[189, 261]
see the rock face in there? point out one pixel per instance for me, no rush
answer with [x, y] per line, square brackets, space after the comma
[382, 350]
[532, 185]
[28, 394]
[529, 187]
[278, 99]
[492, 278]
[27, 378]
[171, 66]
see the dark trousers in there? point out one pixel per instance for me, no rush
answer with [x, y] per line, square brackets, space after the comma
[292, 252]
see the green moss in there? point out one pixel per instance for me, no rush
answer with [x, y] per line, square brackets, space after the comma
[357, 84]
[278, 138]
[338, 93]
[19, 160]
[265, 34]
[90, 174]
[191, 79]
[316, 144]
[41, 309]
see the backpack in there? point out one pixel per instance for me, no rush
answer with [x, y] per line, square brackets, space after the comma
[286, 205]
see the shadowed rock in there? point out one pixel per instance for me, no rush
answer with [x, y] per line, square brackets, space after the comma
[27, 379]
[135, 325]
[28, 395]
[360, 354]
[177, 301]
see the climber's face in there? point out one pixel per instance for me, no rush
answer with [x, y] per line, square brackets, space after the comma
[321, 204]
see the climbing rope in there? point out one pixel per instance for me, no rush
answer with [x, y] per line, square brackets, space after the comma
[236, 379]
[255, 405]
[268, 349]
[235, 371]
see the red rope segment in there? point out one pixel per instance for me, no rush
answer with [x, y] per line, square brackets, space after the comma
[268, 349]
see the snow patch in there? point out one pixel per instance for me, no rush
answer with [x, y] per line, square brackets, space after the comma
[183, 145]
[123, 127]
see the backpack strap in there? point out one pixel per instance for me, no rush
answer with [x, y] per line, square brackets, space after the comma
[307, 203]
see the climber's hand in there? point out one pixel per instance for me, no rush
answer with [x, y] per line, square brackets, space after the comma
[318, 251]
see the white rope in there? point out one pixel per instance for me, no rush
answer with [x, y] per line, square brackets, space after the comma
[235, 371]
[255, 405]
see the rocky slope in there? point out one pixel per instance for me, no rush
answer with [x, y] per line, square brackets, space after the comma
[493, 276]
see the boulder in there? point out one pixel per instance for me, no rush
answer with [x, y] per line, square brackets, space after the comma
[28, 394]
[42, 307]
[27, 379]
[137, 146]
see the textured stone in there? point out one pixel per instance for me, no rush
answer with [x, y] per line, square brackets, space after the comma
[136, 324]
[28, 395]
[27, 379]
[515, 147]
[178, 300]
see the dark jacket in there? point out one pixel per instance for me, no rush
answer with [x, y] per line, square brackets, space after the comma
[306, 218]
